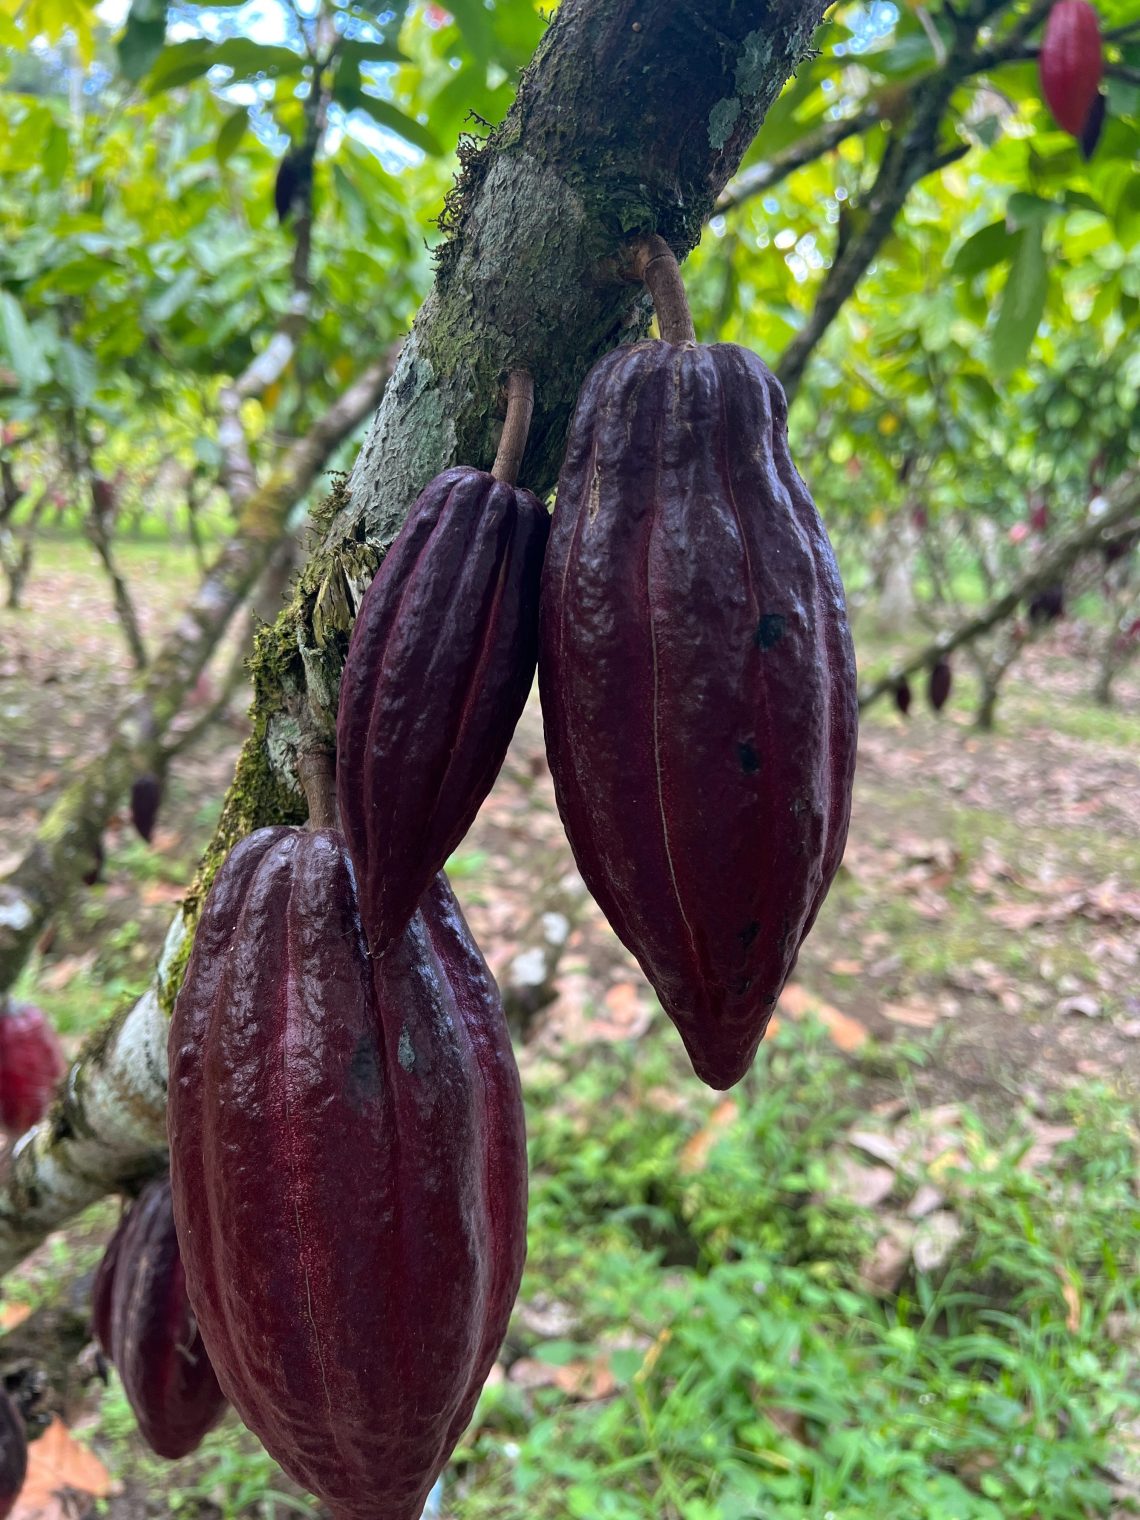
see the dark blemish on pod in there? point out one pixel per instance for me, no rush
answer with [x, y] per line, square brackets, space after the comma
[364, 1068]
[749, 933]
[749, 759]
[769, 630]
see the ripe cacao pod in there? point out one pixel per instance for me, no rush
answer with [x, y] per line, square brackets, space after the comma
[31, 1064]
[98, 860]
[1071, 62]
[348, 1159]
[146, 794]
[938, 684]
[902, 695]
[1047, 606]
[140, 1306]
[698, 684]
[440, 663]
[13, 1454]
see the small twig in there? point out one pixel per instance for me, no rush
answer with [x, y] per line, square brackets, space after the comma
[655, 263]
[512, 444]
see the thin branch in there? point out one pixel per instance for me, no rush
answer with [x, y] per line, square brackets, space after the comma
[1124, 507]
[762, 177]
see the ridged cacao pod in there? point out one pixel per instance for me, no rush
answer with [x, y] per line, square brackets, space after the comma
[438, 670]
[698, 684]
[903, 696]
[1047, 606]
[146, 795]
[31, 1064]
[349, 1166]
[13, 1454]
[938, 684]
[147, 1328]
[1071, 62]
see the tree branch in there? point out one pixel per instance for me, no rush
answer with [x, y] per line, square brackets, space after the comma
[1124, 506]
[762, 177]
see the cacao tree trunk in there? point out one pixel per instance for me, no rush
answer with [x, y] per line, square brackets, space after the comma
[98, 534]
[529, 278]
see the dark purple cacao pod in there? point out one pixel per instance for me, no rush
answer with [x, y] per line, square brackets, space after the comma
[102, 1290]
[903, 696]
[938, 684]
[31, 1064]
[146, 794]
[349, 1166]
[698, 684]
[13, 1454]
[1047, 606]
[438, 670]
[153, 1335]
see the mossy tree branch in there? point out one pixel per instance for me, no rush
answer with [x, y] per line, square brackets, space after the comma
[631, 119]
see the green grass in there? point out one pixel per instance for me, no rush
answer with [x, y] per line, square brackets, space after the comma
[755, 1377]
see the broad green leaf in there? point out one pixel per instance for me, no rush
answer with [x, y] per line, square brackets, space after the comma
[385, 114]
[76, 372]
[380, 51]
[1022, 303]
[230, 134]
[139, 46]
[1023, 210]
[249, 59]
[987, 247]
[20, 343]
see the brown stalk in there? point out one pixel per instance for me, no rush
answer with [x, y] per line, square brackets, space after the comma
[316, 771]
[520, 407]
[655, 263]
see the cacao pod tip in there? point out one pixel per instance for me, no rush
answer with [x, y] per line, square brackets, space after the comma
[146, 794]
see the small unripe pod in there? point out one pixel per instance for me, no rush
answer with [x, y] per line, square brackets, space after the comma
[1071, 63]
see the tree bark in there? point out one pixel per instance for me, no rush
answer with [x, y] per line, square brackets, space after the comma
[631, 119]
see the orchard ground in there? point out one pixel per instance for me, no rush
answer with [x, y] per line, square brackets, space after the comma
[896, 1272]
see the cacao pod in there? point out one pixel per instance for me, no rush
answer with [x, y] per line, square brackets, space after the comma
[13, 1454]
[140, 1305]
[938, 684]
[902, 696]
[146, 794]
[31, 1064]
[1047, 606]
[95, 872]
[1071, 62]
[348, 1159]
[439, 666]
[698, 684]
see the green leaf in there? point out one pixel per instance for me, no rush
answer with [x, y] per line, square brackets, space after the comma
[179, 64]
[230, 134]
[987, 247]
[1023, 210]
[75, 371]
[1022, 303]
[248, 58]
[380, 51]
[139, 46]
[385, 114]
[23, 351]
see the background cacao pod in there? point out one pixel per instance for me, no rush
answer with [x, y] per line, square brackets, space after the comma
[146, 795]
[140, 1305]
[31, 1064]
[938, 684]
[13, 1454]
[903, 696]
[1071, 62]
[349, 1166]
[698, 684]
[440, 664]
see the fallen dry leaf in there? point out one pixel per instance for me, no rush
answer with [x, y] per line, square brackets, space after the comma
[582, 1380]
[846, 1033]
[695, 1151]
[57, 1465]
[12, 1315]
[913, 1015]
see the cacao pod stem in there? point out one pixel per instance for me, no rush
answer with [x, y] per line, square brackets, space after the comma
[520, 409]
[316, 771]
[655, 263]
